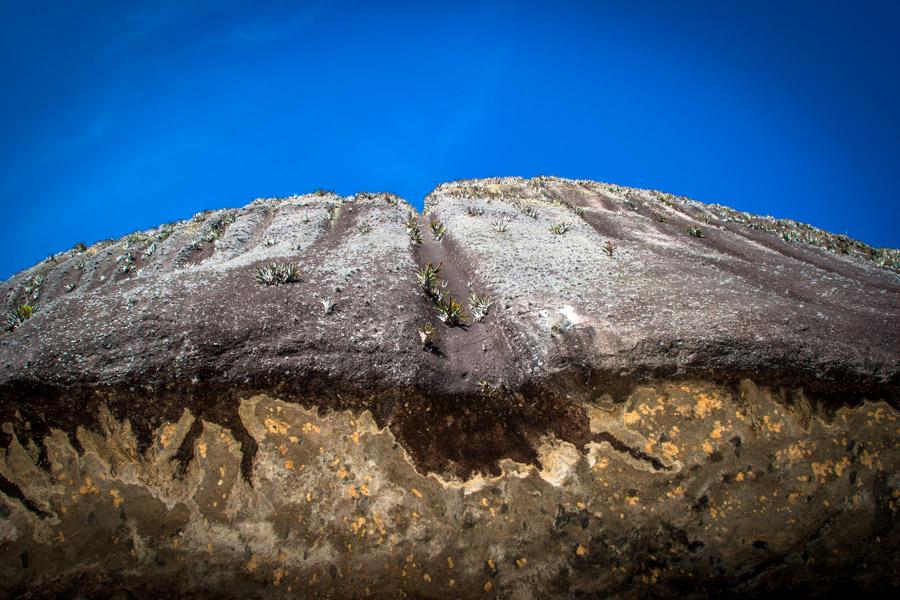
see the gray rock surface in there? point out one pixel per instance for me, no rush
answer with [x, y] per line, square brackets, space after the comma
[667, 397]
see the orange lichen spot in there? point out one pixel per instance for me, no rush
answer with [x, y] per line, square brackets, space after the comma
[822, 470]
[488, 586]
[251, 564]
[351, 492]
[717, 431]
[201, 448]
[309, 427]
[739, 476]
[358, 525]
[632, 418]
[167, 433]
[278, 575]
[581, 550]
[772, 426]
[355, 437]
[870, 459]
[521, 562]
[364, 489]
[676, 492]
[601, 463]
[581, 505]
[416, 493]
[449, 562]
[116, 498]
[294, 439]
[289, 465]
[669, 450]
[707, 447]
[632, 500]
[484, 502]
[275, 426]
[491, 565]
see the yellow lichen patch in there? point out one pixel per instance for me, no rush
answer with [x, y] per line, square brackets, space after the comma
[116, 498]
[840, 465]
[88, 487]
[707, 447]
[488, 586]
[581, 550]
[822, 470]
[168, 431]
[669, 451]
[717, 430]
[277, 427]
[521, 562]
[289, 465]
[491, 565]
[355, 437]
[309, 427]
[602, 463]
[278, 575]
[739, 476]
[358, 525]
[416, 493]
[771, 425]
[449, 562]
[870, 459]
[676, 492]
[632, 418]
[796, 452]
[251, 564]
[351, 492]
[632, 500]
[705, 405]
[201, 448]
[364, 489]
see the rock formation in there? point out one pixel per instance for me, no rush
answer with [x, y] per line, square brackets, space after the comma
[648, 396]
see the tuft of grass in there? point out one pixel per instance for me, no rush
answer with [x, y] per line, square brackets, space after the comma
[450, 312]
[560, 228]
[428, 277]
[694, 232]
[479, 306]
[474, 211]
[79, 247]
[278, 274]
[438, 229]
[609, 248]
[530, 211]
[18, 316]
[412, 228]
[364, 227]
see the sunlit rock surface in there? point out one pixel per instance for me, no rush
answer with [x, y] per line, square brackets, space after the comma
[710, 409]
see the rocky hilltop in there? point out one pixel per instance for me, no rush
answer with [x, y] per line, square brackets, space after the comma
[538, 388]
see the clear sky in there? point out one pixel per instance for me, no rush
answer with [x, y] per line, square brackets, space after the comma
[117, 116]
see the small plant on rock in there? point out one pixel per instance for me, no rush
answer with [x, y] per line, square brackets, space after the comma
[474, 211]
[428, 277]
[438, 229]
[500, 225]
[530, 211]
[412, 228]
[609, 248]
[364, 228]
[694, 232]
[450, 312]
[479, 306]
[560, 228]
[19, 315]
[426, 335]
[278, 274]
[328, 305]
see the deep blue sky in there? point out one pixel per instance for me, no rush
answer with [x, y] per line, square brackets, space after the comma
[116, 116]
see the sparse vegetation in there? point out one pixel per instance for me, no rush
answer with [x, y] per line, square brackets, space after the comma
[429, 279]
[530, 211]
[450, 311]
[474, 211]
[560, 228]
[479, 306]
[19, 315]
[328, 305]
[278, 274]
[364, 228]
[694, 232]
[269, 241]
[79, 247]
[609, 248]
[438, 229]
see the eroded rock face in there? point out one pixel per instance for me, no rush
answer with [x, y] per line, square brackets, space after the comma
[690, 415]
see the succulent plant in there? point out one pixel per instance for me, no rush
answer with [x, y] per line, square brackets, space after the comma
[428, 277]
[19, 315]
[530, 211]
[412, 228]
[609, 248]
[328, 305]
[450, 312]
[474, 211]
[479, 306]
[278, 274]
[560, 228]
[364, 227]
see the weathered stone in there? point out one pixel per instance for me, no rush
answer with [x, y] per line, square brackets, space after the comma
[691, 415]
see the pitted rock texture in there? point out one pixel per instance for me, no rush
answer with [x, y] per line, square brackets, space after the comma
[710, 409]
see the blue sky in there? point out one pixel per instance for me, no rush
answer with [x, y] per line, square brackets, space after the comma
[117, 116]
